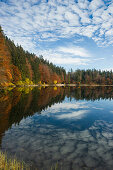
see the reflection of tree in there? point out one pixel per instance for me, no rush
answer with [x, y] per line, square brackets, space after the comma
[7, 102]
[17, 104]
[90, 92]
[21, 103]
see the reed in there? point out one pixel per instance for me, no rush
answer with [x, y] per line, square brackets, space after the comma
[11, 163]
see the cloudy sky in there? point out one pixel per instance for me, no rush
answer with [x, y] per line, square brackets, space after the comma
[70, 33]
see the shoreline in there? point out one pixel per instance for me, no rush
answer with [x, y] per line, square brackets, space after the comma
[57, 85]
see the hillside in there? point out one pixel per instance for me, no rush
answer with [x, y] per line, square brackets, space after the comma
[5, 61]
[16, 64]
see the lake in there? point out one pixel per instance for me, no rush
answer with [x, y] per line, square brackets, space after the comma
[66, 127]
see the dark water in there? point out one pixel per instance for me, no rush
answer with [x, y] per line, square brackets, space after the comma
[71, 128]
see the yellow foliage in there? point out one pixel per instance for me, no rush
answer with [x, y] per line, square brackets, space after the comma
[40, 88]
[20, 89]
[55, 88]
[27, 90]
[26, 82]
[10, 88]
[40, 82]
[55, 81]
[11, 84]
[31, 83]
[19, 83]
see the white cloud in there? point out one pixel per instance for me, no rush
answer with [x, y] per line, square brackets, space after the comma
[109, 33]
[95, 4]
[89, 30]
[83, 4]
[68, 60]
[67, 55]
[72, 18]
[75, 51]
[57, 19]
[96, 59]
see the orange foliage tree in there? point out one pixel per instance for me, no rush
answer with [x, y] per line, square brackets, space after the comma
[16, 74]
[44, 73]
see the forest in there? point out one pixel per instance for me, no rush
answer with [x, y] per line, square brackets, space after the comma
[91, 76]
[18, 66]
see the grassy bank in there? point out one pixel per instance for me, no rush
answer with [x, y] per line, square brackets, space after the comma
[11, 163]
[7, 163]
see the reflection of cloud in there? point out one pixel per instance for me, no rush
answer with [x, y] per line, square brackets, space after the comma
[111, 111]
[76, 114]
[98, 108]
[65, 107]
[46, 144]
[76, 105]
[66, 110]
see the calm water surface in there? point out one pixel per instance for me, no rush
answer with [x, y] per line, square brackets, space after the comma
[68, 127]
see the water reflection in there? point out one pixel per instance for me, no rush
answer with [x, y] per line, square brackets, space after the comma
[20, 103]
[71, 126]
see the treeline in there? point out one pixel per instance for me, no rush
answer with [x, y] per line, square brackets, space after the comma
[28, 65]
[33, 67]
[90, 77]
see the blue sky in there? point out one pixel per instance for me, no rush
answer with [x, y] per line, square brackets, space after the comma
[69, 33]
